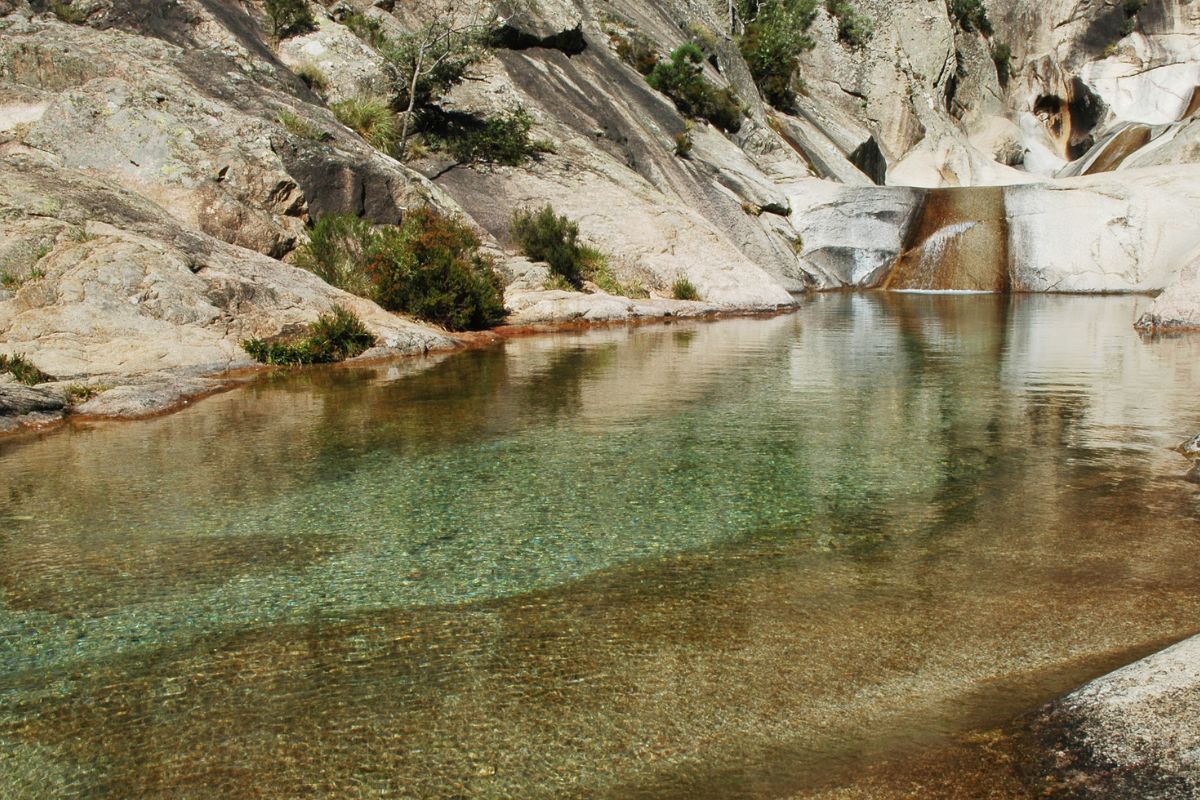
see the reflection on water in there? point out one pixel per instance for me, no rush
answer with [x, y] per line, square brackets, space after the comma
[750, 558]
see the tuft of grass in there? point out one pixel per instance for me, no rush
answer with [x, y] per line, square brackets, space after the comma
[79, 393]
[683, 141]
[595, 269]
[69, 13]
[637, 51]
[23, 370]
[558, 283]
[683, 289]
[854, 29]
[334, 337]
[372, 119]
[298, 125]
[369, 29]
[10, 280]
[313, 78]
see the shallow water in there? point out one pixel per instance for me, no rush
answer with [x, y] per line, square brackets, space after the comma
[746, 558]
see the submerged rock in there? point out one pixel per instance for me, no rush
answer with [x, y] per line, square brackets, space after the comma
[1191, 451]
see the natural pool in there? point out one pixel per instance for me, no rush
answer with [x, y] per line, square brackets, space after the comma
[822, 554]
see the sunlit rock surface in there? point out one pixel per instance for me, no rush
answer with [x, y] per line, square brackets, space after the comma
[1129, 734]
[1178, 308]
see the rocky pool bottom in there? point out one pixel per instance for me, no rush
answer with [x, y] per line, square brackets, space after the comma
[837, 553]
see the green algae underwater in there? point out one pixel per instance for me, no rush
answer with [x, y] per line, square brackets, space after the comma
[827, 554]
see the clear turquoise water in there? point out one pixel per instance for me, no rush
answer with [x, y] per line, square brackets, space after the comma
[752, 556]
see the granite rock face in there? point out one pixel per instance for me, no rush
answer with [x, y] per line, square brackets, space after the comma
[188, 157]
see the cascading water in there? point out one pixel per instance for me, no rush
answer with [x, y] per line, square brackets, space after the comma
[958, 243]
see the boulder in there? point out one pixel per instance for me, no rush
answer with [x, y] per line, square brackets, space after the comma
[18, 400]
[1132, 733]
[222, 136]
[1177, 308]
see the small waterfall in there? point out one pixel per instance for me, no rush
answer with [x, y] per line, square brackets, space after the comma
[958, 243]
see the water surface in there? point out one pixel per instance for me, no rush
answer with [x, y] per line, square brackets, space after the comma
[748, 558]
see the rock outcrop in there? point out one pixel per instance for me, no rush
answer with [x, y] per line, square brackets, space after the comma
[120, 288]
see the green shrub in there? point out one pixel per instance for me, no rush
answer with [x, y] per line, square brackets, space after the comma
[681, 80]
[776, 34]
[23, 370]
[683, 289]
[853, 27]
[369, 29]
[1131, 8]
[289, 17]
[334, 337]
[337, 250]
[12, 280]
[499, 139]
[372, 119]
[431, 267]
[970, 15]
[545, 236]
[69, 13]
[313, 78]
[297, 125]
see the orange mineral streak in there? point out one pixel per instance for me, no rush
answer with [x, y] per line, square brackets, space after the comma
[1118, 148]
[959, 242]
[1193, 105]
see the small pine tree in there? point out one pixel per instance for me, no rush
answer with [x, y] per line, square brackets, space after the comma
[289, 17]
